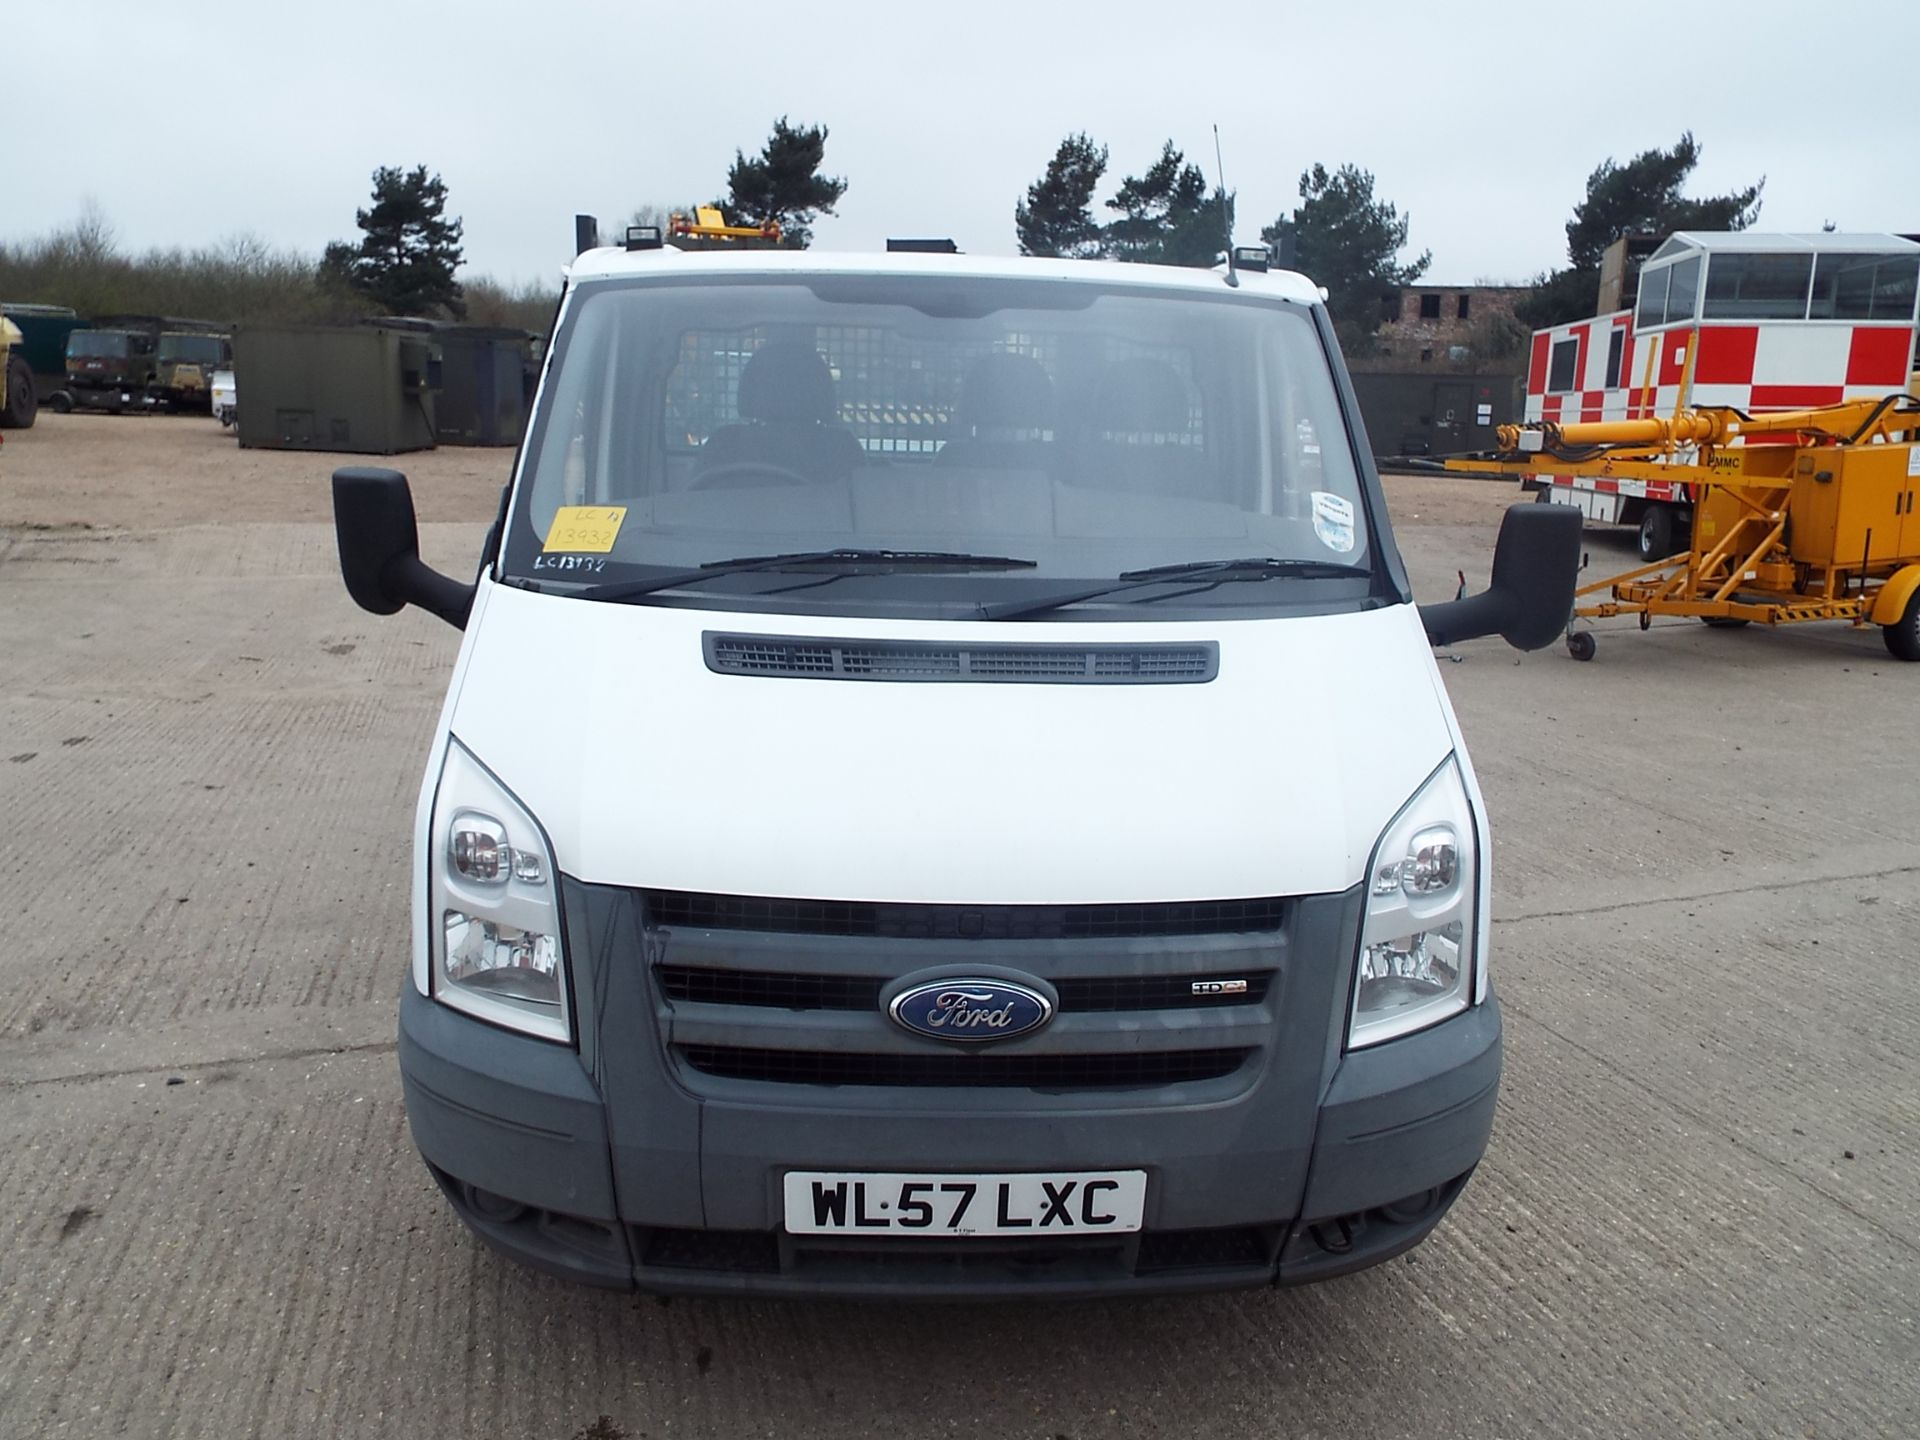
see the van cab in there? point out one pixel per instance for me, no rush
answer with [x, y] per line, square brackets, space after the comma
[945, 792]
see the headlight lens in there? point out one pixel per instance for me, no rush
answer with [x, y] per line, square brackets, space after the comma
[497, 951]
[1415, 966]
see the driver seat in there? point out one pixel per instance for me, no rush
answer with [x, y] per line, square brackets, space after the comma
[789, 417]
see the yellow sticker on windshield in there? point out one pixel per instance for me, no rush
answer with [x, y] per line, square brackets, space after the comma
[584, 529]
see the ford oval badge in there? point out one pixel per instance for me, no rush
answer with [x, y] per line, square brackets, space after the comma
[970, 1009]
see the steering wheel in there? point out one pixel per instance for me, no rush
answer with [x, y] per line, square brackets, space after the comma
[746, 475]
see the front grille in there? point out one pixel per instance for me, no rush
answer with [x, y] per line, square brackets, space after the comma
[768, 988]
[790, 992]
[1128, 1070]
[699, 911]
[784, 657]
[781, 990]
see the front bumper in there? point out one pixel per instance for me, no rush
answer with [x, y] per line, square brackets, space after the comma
[517, 1133]
[93, 394]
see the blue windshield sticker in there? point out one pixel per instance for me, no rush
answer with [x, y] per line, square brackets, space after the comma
[1333, 521]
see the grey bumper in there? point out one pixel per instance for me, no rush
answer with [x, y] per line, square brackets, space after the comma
[516, 1131]
[498, 1115]
[1401, 1128]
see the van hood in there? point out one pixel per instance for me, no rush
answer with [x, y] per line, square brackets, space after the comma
[647, 768]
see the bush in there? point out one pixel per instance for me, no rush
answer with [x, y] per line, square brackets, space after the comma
[240, 280]
[528, 306]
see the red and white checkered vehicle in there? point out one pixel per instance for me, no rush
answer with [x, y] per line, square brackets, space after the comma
[1757, 322]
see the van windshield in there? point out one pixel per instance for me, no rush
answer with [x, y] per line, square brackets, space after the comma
[1054, 432]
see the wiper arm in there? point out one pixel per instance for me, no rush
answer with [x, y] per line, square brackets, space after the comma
[1211, 572]
[850, 561]
[1257, 568]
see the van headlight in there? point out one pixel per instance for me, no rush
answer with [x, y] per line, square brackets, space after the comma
[495, 913]
[1416, 962]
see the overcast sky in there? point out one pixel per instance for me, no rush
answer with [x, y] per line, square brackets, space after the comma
[1481, 121]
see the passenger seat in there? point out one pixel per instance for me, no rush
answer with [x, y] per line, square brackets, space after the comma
[1005, 416]
[1143, 433]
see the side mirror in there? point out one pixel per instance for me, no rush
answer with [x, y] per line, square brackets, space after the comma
[380, 548]
[1536, 564]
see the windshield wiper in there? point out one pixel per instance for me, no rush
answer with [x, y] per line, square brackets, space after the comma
[1210, 572]
[846, 561]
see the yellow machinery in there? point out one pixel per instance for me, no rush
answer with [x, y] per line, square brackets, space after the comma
[1803, 515]
[710, 223]
[17, 403]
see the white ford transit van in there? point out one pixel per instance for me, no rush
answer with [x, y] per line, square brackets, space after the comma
[945, 792]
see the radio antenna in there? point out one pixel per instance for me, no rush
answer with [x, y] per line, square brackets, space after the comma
[1226, 216]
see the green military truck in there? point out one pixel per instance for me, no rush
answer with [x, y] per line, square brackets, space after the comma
[184, 366]
[145, 362]
[111, 369]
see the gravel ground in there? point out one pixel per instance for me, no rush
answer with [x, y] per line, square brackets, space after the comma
[1700, 1214]
[157, 472]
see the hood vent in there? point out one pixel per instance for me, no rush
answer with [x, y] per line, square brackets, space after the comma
[788, 657]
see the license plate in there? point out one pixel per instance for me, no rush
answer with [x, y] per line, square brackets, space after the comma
[1076, 1203]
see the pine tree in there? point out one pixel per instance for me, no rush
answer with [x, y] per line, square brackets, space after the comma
[783, 183]
[408, 250]
[1056, 218]
[1166, 215]
[1350, 242]
[1640, 197]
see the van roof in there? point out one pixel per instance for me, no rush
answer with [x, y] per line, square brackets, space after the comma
[611, 262]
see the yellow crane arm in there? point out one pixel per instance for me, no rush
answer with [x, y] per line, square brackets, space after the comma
[1686, 427]
[1850, 423]
[710, 223]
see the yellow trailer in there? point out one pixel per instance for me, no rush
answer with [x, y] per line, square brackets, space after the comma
[17, 403]
[1805, 515]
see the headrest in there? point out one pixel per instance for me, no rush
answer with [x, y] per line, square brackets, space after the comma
[787, 381]
[1005, 391]
[1142, 397]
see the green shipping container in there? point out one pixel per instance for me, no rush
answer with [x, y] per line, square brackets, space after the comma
[360, 389]
[44, 330]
